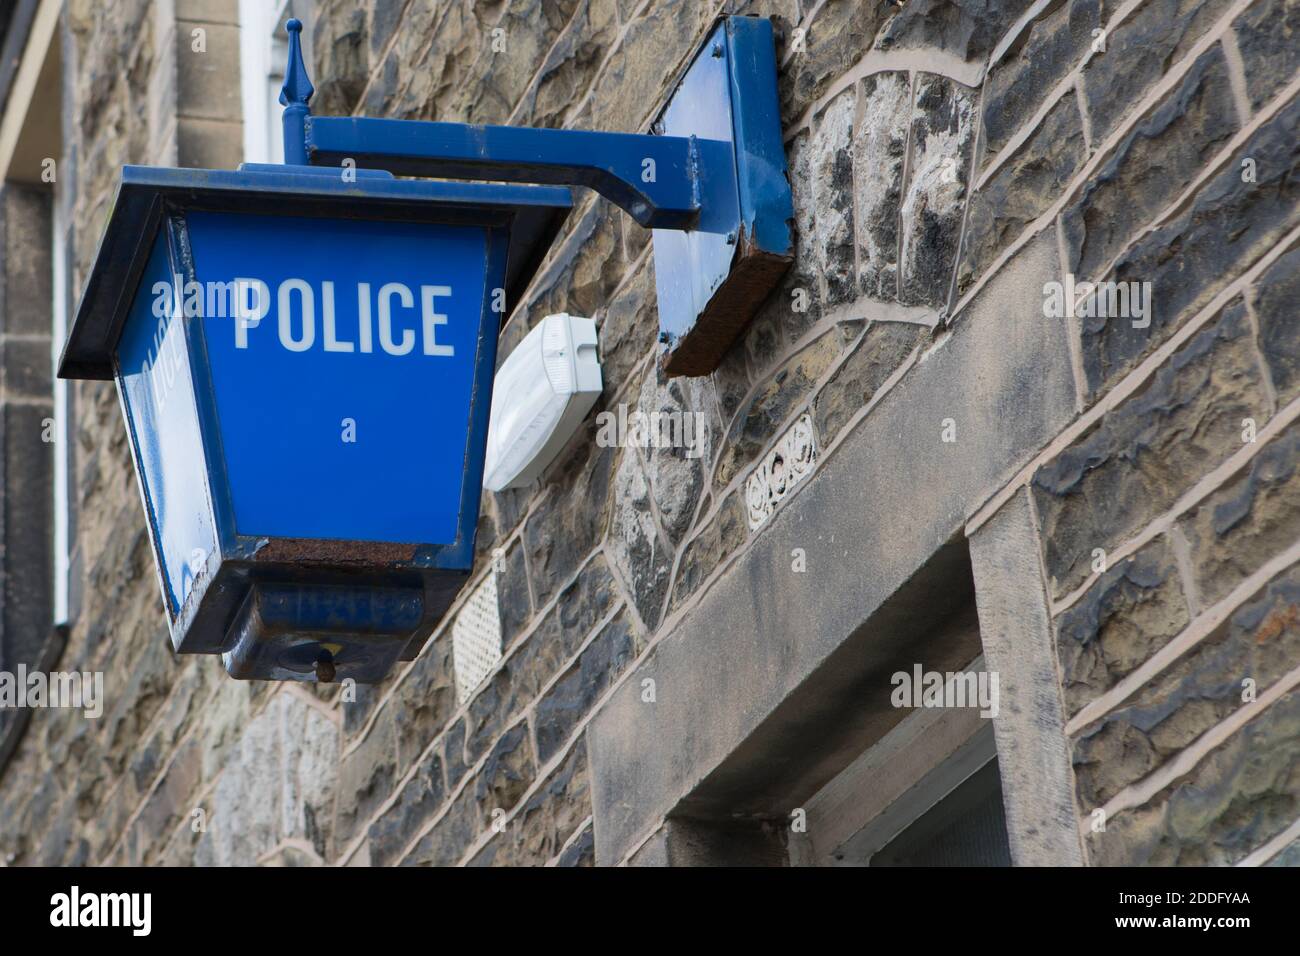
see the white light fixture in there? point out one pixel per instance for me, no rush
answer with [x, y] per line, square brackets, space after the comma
[540, 396]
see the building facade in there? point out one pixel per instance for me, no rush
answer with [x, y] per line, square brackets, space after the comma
[1019, 424]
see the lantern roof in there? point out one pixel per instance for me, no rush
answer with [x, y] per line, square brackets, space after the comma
[145, 194]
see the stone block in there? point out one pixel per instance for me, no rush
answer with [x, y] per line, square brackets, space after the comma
[968, 29]
[1134, 463]
[1268, 36]
[1233, 801]
[1260, 643]
[1248, 521]
[884, 347]
[1275, 298]
[1138, 53]
[879, 150]
[1132, 611]
[935, 197]
[1051, 46]
[831, 165]
[572, 697]
[1023, 189]
[207, 55]
[415, 806]
[1151, 166]
[838, 36]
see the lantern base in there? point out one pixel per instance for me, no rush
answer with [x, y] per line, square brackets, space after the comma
[321, 633]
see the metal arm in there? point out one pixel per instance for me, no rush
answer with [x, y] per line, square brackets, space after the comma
[656, 179]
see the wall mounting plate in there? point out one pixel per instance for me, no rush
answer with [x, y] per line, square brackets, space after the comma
[713, 278]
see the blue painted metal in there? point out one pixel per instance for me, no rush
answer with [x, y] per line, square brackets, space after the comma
[712, 282]
[611, 163]
[713, 185]
[294, 95]
[280, 544]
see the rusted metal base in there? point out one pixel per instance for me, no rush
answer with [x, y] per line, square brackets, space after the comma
[754, 274]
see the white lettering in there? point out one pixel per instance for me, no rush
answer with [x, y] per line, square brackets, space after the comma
[287, 288]
[432, 319]
[386, 294]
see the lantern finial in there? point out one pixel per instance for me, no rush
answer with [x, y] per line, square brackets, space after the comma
[297, 89]
[295, 93]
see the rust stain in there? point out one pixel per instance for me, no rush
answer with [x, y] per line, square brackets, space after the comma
[308, 550]
[1278, 622]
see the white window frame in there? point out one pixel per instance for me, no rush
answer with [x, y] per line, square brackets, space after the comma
[263, 50]
[59, 335]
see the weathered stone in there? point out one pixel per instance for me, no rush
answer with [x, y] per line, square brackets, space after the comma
[687, 430]
[805, 270]
[1138, 52]
[1222, 231]
[636, 75]
[546, 821]
[822, 51]
[572, 696]
[367, 776]
[584, 268]
[1134, 463]
[559, 538]
[507, 773]
[1275, 301]
[1261, 643]
[1237, 798]
[629, 327]
[341, 57]
[968, 29]
[936, 190]
[514, 605]
[635, 543]
[881, 351]
[1268, 36]
[415, 806]
[1132, 611]
[579, 608]
[508, 59]
[453, 748]
[831, 162]
[169, 802]
[423, 701]
[763, 414]
[1248, 521]
[1050, 46]
[1151, 166]
[879, 149]
[582, 851]
[732, 382]
[277, 784]
[451, 837]
[1022, 189]
[570, 65]
[724, 533]
[763, 337]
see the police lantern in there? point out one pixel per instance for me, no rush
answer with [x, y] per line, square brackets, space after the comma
[304, 358]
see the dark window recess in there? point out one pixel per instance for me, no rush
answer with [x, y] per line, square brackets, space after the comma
[966, 828]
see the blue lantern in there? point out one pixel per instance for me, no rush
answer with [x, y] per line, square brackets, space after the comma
[304, 359]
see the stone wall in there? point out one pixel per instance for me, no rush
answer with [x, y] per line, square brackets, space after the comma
[938, 149]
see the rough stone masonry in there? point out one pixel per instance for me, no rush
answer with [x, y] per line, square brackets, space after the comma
[1133, 493]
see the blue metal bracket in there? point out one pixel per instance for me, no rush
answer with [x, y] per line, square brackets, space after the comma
[718, 178]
